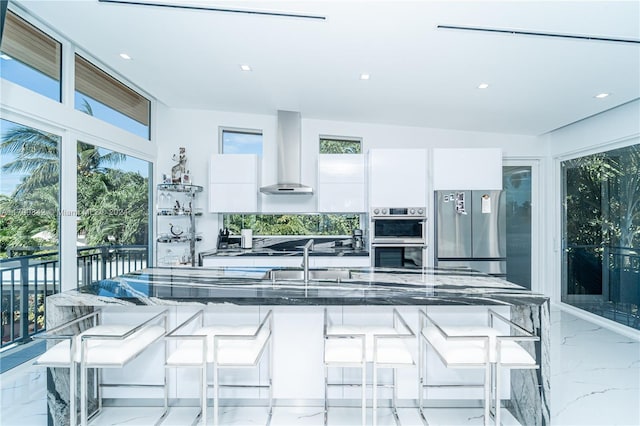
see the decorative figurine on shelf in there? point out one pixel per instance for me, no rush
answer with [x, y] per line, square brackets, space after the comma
[179, 169]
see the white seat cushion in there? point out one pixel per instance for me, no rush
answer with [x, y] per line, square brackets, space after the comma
[390, 350]
[108, 353]
[231, 352]
[473, 351]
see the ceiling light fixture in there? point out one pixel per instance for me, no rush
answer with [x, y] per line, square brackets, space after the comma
[601, 95]
[245, 67]
[177, 5]
[538, 34]
[483, 86]
[125, 56]
[365, 76]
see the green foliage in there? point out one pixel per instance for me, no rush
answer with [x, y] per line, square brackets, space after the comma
[113, 203]
[110, 202]
[340, 146]
[303, 224]
[602, 198]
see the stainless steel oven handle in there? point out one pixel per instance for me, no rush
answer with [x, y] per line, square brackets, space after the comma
[416, 218]
[398, 244]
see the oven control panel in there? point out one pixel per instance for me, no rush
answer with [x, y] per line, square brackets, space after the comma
[398, 211]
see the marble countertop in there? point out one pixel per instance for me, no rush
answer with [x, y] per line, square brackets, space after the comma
[248, 286]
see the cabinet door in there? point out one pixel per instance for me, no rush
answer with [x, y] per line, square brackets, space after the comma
[233, 168]
[233, 183]
[233, 198]
[341, 183]
[397, 177]
[467, 168]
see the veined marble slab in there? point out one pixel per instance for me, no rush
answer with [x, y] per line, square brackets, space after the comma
[367, 286]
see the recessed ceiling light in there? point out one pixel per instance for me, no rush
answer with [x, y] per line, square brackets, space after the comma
[601, 95]
[483, 86]
[245, 67]
[365, 76]
[125, 56]
[6, 57]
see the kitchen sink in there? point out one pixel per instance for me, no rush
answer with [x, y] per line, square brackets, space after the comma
[314, 274]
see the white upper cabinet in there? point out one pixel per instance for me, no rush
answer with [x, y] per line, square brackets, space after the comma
[467, 168]
[341, 183]
[233, 183]
[397, 177]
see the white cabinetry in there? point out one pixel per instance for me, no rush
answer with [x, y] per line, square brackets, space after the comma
[467, 168]
[341, 183]
[397, 177]
[233, 183]
[287, 261]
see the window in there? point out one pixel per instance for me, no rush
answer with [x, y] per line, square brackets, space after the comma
[30, 58]
[113, 213]
[29, 227]
[102, 96]
[234, 141]
[601, 234]
[291, 224]
[336, 145]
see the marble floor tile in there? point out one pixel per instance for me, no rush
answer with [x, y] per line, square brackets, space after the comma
[595, 380]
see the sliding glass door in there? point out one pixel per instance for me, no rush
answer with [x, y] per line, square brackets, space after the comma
[601, 234]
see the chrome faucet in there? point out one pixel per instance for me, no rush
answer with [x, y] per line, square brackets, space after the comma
[305, 259]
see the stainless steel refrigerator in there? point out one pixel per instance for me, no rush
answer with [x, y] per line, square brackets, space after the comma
[471, 230]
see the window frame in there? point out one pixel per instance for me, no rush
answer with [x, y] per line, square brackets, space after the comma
[244, 130]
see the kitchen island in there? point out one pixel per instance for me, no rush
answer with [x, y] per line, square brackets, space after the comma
[367, 294]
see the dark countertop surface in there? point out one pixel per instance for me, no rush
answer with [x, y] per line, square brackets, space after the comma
[266, 246]
[248, 286]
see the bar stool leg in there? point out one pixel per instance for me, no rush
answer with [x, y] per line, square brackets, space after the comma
[73, 380]
[497, 394]
[326, 392]
[216, 395]
[488, 375]
[375, 394]
[270, 381]
[203, 393]
[364, 394]
[83, 394]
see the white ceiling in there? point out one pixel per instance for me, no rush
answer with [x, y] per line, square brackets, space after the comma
[420, 75]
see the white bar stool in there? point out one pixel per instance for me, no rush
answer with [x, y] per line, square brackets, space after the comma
[356, 345]
[474, 346]
[221, 346]
[100, 346]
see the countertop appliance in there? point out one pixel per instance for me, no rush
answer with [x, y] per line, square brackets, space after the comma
[357, 242]
[471, 230]
[399, 237]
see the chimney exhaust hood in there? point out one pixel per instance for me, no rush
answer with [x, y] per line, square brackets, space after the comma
[288, 146]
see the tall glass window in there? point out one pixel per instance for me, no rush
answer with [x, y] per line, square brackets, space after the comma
[30, 58]
[601, 230]
[102, 96]
[113, 213]
[29, 227]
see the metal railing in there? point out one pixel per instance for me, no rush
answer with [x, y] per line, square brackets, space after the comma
[26, 281]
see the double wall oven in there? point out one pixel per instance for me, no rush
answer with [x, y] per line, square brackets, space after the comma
[399, 237]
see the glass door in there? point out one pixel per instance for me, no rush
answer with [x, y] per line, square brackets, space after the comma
[518, 192]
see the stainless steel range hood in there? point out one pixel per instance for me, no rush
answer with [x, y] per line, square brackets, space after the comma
[289, 142]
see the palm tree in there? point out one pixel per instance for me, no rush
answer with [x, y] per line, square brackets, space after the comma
[37, 155]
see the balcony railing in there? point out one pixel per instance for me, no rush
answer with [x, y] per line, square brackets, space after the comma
[606, 281]
[26, 281]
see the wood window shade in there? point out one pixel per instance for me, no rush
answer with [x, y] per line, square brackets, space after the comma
[27, 44]
[98, 85]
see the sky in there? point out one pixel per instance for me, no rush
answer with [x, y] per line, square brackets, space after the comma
[19, 73]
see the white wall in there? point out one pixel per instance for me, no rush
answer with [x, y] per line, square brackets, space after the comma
[198, 130]
[612, 129]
